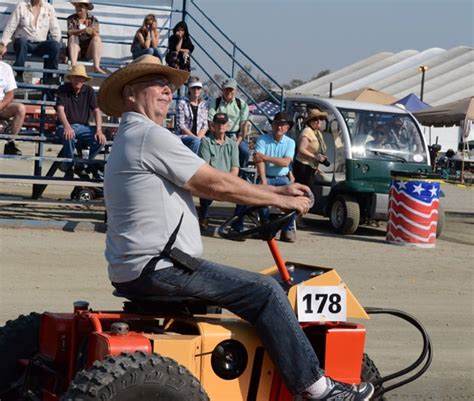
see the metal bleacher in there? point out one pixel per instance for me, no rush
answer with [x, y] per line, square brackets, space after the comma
[118, 22]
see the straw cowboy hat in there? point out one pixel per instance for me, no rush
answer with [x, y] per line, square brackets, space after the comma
[313, 114]
[77, 70]
[89, 5]
[110, 92]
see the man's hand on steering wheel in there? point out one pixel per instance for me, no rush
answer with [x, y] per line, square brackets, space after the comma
[294, 189]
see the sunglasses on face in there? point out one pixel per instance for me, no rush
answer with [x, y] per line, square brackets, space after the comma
[161, 82]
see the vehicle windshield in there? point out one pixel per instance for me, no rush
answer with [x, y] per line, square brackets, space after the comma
[384, 136]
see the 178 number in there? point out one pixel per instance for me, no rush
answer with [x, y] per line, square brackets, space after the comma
[334, 304]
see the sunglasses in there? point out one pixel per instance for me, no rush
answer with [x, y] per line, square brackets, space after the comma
[161, 82]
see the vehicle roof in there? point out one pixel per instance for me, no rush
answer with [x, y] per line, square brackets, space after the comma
[348, 104]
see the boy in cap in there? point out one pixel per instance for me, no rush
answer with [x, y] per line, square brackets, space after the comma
[237, 111]
[75, 102]
[191, 115]
[221, 152]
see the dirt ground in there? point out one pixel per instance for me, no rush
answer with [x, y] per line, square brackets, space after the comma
[48, 269]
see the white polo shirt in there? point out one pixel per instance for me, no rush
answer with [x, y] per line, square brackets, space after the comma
[7, 80]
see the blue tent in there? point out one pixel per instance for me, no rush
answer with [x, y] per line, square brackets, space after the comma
[412, 103]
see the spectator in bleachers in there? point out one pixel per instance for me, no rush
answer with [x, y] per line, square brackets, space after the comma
[274, 154]
[8, 108]
[180, 48]
[220, 152]
[191, 116]
[83, 33]
[147, 39]
[239, 120]
[76, 101]
[29, 25]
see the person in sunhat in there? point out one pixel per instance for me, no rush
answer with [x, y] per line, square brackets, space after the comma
[153, 243]
[76, 102]
[83, 35]
[311, 148]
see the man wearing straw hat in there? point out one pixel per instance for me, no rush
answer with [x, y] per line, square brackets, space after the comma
[76, 101]
[153, 244]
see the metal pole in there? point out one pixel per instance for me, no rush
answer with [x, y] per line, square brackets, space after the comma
[184, 10]
[233, 60]
[330, 89]
[422, 84]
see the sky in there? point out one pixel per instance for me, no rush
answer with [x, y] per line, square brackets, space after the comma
[298, 38]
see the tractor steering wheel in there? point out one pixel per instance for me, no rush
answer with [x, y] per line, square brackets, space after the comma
[267, 230]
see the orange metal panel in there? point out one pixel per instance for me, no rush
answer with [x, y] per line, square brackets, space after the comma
[344, 352]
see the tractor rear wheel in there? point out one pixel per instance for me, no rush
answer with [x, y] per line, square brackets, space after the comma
[18, 340]
[369, 374]
[345, 214]
[135, 376]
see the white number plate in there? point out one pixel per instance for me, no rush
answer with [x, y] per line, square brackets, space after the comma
[321, 304]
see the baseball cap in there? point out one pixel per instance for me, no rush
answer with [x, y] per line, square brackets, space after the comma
[193, 82]
[229, 83]
[220, 118]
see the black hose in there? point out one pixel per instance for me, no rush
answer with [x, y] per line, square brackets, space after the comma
[426, 355]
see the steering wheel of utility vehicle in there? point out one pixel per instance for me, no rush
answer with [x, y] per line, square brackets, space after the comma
[265, 230]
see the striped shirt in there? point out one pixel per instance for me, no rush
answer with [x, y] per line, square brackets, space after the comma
[184, 116]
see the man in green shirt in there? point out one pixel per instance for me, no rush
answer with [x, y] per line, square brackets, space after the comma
[220, 152]
[237, 112]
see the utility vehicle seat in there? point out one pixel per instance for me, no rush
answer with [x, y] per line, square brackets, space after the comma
[165, 304]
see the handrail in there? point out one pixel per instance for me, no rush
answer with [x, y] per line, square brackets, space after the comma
[229, 55]
[233, 43]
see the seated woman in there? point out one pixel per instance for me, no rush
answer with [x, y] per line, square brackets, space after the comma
[180, 48]
[380, 139]
[146, 39]
[83, 35]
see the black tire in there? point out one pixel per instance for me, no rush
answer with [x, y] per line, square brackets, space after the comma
[344, 214]
[135, 376]
[19, 339]
[441, 221]
[369, 374]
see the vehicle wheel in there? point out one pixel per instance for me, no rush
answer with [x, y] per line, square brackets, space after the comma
[86, 195]
[345, 214]
[135, 376]
[441, 221]
[18, 339]
[369, 374]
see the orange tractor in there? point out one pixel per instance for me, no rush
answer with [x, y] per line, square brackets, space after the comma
[173, 349]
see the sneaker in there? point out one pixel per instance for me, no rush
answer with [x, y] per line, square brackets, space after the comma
[11, 149]
[238, 239]
[344, 392]
[288, 236]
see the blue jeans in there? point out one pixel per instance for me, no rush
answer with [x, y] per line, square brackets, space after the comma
[151, 50]
[84, 135]
[244, 151]
[265, 212]
[49, 47]
[192, 142]
[254, 297]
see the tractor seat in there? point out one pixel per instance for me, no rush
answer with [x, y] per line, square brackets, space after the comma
[165, 304]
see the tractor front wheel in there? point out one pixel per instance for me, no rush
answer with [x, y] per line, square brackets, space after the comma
[135, 376]
[18, 340]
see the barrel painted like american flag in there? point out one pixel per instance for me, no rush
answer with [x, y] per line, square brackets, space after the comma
[413, 212]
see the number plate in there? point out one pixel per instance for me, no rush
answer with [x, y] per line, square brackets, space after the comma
[321, 304]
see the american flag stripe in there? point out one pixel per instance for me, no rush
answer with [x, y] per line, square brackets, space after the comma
[398, 219]
[411, 213]
[413, 204]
